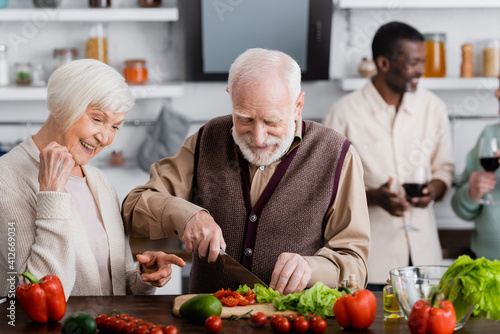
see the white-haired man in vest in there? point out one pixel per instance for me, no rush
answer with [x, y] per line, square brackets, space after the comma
[283, 196]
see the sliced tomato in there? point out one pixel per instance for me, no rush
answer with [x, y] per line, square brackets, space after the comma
[242, 301]
[220, 294]
[229, 301]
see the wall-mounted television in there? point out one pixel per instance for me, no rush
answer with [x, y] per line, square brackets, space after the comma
[217, 31]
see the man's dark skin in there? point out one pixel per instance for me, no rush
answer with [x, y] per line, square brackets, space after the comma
[395, 77]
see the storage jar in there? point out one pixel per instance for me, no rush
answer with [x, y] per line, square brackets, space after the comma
[135, 71]
[435, 62]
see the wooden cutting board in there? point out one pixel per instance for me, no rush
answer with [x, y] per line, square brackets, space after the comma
[266, 308]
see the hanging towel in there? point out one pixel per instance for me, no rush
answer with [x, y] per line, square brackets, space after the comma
[166, 138]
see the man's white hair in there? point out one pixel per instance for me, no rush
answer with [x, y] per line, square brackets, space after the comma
[75, 86]
[253, 64]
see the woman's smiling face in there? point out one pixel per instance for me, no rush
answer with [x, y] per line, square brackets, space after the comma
[95, 130]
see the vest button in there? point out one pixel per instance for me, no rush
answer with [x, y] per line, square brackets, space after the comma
[253, 218]
[248, 252]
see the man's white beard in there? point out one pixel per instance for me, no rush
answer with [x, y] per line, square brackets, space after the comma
[245, 144]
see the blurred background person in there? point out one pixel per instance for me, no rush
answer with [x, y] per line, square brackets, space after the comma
[398, 131]
[477, 198]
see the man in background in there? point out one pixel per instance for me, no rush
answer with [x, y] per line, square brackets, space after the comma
[397, 129]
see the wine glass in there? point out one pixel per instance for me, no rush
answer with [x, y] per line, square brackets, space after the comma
[489, 160]
[416, 181]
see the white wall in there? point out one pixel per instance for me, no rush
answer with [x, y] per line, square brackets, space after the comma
[203, 101]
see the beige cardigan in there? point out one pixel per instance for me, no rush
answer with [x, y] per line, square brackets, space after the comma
[49, 235]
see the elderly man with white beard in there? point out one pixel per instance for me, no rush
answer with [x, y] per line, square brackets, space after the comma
[283, 196]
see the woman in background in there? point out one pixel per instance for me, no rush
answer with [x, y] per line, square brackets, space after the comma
[467, 200]
[65, 214]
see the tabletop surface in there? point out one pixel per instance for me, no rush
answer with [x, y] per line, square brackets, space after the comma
[158, 309]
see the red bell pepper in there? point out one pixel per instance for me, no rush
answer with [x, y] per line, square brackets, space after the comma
[432, 317]
[357, 310]
[42, 300]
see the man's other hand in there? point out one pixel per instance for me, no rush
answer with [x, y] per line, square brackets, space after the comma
[291, 273]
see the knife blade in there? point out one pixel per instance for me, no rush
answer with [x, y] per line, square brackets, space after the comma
[238, 271]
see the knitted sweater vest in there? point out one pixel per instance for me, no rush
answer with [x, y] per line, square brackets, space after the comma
[288, 217]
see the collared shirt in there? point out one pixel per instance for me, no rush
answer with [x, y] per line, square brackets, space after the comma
[161, 208]
[391, 143]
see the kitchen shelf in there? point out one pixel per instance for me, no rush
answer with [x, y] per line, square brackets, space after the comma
[30, 93]
[161, 14]
[401, 4]
[349, 84]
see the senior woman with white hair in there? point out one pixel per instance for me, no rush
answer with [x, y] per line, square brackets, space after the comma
[63, 214]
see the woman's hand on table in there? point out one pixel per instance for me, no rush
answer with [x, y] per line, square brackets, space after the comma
[157, 267]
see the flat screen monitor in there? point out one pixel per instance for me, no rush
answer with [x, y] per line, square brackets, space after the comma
[217, 31]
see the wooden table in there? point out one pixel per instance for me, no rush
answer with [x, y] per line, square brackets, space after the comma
[159, 309]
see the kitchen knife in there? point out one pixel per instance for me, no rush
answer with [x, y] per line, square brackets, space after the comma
[238, 272]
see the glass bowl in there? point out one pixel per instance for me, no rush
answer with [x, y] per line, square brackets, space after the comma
[414, 283]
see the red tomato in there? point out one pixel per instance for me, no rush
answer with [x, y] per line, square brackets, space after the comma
[170, 330]
[292, 317]
[283, 325]
[259, 319]
[274, 319]
[242, 301]
[108, 324]
[229, 301]
[118, 325]
[317, 324]
[300, 324]
[156, 330]
[252, 302]
[99, 320]
[142, 329]
[219, 294]
[129, 328]
[213, 323]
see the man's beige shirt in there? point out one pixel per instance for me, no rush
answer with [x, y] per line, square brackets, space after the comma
[390, 144]
[161, 208]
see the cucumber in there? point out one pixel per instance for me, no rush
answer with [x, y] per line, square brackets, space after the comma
[199, 308]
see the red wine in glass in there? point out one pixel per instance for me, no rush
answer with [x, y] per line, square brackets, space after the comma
[490, 164]
[414, 189]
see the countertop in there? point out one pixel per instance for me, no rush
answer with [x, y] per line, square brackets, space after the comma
[158, 309]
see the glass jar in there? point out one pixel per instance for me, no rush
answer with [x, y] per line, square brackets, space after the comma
[99, 3]
[23, 74]
[97, 44]
[135, 71]
[491, 58]
[63, 56]
[435, 62]
[46, 3]
[149, 3]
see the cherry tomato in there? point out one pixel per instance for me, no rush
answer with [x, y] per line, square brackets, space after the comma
[170, 330]
[292, 317]
[259, 319]
[242, 301]
[99, 320]
[142, 329]
[118, 325]
[129, 328]
[156, 330]
[229, 301]
[300, 324]
[213, 323]
[317, 324]
[219, 294]
[274, 319]
[108, 324]
[283, 325]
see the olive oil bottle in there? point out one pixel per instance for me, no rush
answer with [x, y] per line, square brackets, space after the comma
[391, 306]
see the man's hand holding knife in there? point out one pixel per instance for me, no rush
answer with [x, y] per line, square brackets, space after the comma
[203, 236]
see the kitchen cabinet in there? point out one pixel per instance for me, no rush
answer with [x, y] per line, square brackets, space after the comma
[37, 19]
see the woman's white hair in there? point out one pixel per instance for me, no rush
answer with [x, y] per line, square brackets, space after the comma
[255, 63]
[75, 86]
